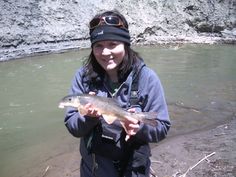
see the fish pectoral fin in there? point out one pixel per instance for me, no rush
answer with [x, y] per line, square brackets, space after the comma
[82, 111]
[109, 118]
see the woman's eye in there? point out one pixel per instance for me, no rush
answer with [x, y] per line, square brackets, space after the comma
[113, 45]
[98, 46]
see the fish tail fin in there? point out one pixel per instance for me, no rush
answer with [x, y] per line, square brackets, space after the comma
[149, 118]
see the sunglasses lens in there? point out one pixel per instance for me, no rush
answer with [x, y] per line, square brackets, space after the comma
[109, 20]
[112, 20]
[95, 22]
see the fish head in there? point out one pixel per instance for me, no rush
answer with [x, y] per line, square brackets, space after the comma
[70, 101]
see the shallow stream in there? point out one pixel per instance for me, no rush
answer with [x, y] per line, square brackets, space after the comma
[199, 83]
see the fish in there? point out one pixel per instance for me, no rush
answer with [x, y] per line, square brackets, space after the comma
[107, 107]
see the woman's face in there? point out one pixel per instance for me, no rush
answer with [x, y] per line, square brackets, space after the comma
[109, 54]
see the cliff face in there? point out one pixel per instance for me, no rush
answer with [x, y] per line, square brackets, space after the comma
[39, 26]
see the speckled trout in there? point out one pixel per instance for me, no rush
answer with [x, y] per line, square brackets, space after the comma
[107, 107]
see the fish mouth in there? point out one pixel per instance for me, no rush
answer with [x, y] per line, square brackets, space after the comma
[65, 104]
[61, 105]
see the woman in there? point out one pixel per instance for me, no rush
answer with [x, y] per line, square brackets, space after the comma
[114, 70]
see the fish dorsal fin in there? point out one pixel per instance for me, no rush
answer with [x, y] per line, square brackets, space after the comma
[109, 118]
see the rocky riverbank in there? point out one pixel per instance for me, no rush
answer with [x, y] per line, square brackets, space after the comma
[45, 26]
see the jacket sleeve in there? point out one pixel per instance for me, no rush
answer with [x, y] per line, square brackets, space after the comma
[77, 124]
[151, 88]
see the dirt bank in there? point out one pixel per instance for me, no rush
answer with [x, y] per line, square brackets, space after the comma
[176, 155]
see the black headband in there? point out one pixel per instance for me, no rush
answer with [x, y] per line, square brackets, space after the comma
[106, 32]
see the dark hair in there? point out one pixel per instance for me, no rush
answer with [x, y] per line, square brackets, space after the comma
[95, 73]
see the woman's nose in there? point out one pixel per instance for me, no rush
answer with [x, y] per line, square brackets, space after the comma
[106, 51]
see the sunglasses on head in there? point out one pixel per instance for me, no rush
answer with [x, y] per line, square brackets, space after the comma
[108, 20]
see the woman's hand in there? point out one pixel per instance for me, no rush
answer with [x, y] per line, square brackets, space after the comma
[89, 109]
[130, 125]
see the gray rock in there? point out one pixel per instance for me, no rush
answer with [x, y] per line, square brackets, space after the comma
[43, 26]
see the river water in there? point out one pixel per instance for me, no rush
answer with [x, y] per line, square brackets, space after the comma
[199, 83]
